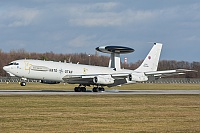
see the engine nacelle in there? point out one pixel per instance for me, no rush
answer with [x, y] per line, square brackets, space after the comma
[49, 82]
[137, 77]
[103, 79]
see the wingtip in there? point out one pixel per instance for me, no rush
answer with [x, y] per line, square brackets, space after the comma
[186, 70]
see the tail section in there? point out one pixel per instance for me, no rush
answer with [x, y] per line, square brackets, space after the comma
[151, 61]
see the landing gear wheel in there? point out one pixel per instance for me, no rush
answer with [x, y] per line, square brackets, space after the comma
[101, 89]
[98, 89]
[77, 89]
[23, 83]
[83, 89]
[95, 89]
[80, 89]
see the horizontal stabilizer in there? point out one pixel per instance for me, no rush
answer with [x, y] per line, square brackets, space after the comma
[168, 72]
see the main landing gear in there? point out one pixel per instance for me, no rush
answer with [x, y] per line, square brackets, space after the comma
[98, 89]
[83, 89]
[80, 89]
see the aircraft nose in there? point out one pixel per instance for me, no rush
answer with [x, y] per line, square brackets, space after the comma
[6, 68]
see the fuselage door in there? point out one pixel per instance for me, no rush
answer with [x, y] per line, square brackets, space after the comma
[27, 66]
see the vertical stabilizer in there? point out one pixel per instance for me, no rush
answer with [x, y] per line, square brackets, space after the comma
[151, 61]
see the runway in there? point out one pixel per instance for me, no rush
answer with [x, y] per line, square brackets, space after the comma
[108, 92]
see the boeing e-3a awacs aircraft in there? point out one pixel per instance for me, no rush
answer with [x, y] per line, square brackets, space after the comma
[85, 75]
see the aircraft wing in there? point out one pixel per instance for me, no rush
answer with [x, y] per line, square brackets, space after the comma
[104, 79]
[168, 72]
[77, 79]
[117, 78]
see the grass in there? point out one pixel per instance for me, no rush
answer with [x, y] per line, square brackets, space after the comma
[39, 86]
[100, 113]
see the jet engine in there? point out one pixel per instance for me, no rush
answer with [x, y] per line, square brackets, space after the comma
[49, 82]
[103, 79]
[137, 77]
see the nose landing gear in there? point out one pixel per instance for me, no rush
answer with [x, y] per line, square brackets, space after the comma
[23, 83]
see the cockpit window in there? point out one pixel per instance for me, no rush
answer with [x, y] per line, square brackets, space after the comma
[13, 63]
[10, 64]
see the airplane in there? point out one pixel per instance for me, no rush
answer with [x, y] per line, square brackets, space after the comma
[51, 72]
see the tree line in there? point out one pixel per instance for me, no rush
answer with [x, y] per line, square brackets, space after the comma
[83, 58]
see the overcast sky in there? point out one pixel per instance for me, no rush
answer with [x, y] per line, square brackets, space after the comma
[79, 26]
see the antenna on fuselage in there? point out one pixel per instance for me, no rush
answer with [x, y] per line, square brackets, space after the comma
[115, 52]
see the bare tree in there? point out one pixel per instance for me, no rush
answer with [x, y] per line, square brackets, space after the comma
[84, 58]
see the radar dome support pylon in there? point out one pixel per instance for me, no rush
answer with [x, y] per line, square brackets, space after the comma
[115, 52]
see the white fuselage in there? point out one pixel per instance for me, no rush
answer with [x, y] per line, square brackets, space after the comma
[55, 71]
